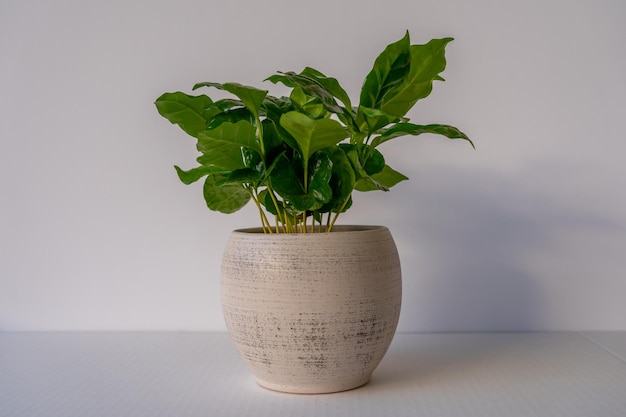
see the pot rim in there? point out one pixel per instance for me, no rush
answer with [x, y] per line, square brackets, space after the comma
[343, 229]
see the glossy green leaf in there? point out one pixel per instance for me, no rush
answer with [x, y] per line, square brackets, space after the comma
[252, 159]
[305, 202]
[266, 200]
[251, 97]
[376, 119]
[225, 199]
[314, 110]
[313, 88]
[188, 112]
[307, 104]
[321, 171]
[225, 105]
[374, 163]
[312, 134]
[222, 146]
[427, 61]
[342, 180]
[330, 84]
[387, 177]
[274, 109]
[298, 97]
[284, 179]
[272, 141]
[389, 70]
[219, 107]
[239, 176]
[403, 129]
[232, 116]
[194, 174]
[352, 152]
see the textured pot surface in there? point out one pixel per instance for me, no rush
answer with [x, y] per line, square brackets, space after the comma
[315, 312]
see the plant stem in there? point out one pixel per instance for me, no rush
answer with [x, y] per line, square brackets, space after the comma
[286, 223]
[265, 224]
[275, 201]
[330, 227]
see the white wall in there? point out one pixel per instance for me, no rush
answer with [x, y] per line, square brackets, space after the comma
[528, 232]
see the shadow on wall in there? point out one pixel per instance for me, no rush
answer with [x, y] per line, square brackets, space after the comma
[469, 249]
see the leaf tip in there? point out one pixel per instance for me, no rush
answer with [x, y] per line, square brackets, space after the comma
[181, 174]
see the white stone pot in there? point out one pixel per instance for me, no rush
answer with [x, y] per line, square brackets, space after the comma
[315, 312]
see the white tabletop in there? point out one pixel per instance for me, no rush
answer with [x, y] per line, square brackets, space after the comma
[200, 374]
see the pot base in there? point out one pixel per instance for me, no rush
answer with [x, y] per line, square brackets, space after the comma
[312, 390]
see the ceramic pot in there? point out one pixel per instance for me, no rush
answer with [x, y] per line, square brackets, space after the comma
[314, 312]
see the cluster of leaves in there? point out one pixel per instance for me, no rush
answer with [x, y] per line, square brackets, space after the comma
[299, 158]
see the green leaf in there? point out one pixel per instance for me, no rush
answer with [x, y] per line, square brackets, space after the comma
[272, 140]
[375, 118]
[243, 176]
[310, 87]
[285, 181]
[355, 160]
[188, 112]
[284, 178]
[427, 61]
[318, 88]
[225, 199]
[251, 97]
[390, 70]
[307, 104]
[194, 174]
[342, 180]
[344, 177]
[330, 84]
[315, 110]
[312, 134]
[268, 203]
[222, 145]
[226, 104]
[274, 109]
[233, 116]
[321, 172]
[218, 108]
[305, 202]
[281, 78]
[298, 97]
[252, 159]
[374, 163]
[402, 129]
[387, 177]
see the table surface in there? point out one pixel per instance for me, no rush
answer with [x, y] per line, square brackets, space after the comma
[156, 374]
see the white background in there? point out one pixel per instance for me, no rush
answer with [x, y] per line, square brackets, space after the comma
[528, 232]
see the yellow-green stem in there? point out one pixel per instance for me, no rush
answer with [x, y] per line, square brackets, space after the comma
[330, 227]
[265, 224]
[304, 222]
[287, 222]
[275, 201]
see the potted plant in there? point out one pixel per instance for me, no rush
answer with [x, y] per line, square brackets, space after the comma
[311, 306]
